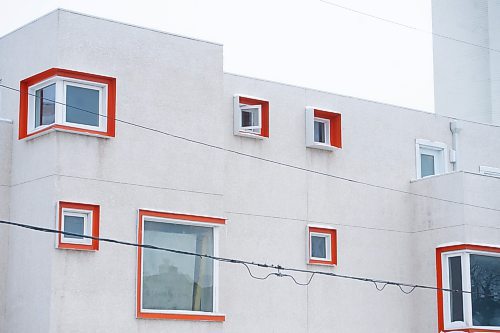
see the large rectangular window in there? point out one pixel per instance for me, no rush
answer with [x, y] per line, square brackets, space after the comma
[471, 276]
[176, 285]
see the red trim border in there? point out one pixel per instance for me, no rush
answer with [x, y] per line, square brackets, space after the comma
[333, 245]
[265, 112]
[32, 80]
[95, 209]
[335, 126]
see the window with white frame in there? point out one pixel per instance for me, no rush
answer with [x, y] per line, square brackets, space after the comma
[173, 285]
[67, 102]
[322, 245]
[60, 99]
[251, 117]
[322, 131]
[474, 277]
[78, 222]
[431, 158]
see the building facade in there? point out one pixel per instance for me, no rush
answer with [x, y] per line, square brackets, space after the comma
[127, 133]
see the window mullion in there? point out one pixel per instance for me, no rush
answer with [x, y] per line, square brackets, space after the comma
[466, 286]
[60, 102]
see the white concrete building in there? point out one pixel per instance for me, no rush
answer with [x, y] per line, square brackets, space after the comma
[374, 190]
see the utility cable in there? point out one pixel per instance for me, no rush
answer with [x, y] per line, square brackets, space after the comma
[280, 269]
[407, 26]
[295, 167]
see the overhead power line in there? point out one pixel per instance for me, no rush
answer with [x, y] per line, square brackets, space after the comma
[291, 166]
[407, 26]
[379, 284]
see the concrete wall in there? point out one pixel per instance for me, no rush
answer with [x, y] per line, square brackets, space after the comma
[5, 161]
[466, 73]
[177, 85]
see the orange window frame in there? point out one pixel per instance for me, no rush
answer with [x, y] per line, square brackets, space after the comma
[264, 132]
[333, 245]
[95, 209]
[173, 216]
[439, 276]
[335, 120]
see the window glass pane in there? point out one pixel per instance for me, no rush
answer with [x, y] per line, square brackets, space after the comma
[74, 224]
[318, 247]
[319, 131]
[175, 281]
[82, 105]
[456, 298]
[250, 117]
[427, 165]
[45, 106]
[485, 285]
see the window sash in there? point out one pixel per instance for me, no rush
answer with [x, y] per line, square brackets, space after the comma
[328, 246]
[61, 84]
[215, 270]
[87, 226]
[326, 131]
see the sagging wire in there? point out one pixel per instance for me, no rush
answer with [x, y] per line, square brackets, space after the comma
[247, 264]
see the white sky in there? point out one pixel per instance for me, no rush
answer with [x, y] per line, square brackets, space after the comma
[301, 42]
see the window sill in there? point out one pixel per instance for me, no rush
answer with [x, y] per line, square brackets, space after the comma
[183, 315]
[470, 330]
[67, 129]
[250, 135]
[323, 147]
[321, 263]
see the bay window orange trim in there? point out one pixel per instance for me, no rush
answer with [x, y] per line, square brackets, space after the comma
[265, 112]
[439, 284]
[37, 78]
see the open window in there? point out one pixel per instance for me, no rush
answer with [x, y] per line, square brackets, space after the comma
[78, 222]
[431, 158]
[470, 275]
[251, 117]
[60, 99]
[323, 129]
[322, 245]
[173, 285]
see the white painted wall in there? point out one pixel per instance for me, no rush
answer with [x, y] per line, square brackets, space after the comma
[466, 76]
[177, 85]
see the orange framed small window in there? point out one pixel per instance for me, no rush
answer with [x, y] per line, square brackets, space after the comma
[323, 129]
[172, 285]
[78, 222]
[251, 117]
[66, 100]
[322, 245]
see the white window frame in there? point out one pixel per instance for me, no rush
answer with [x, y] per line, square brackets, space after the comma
[251, 129]
[328, 245]
[215, 295]
[466, 286]
[60, 103]
[256, 131]
[87, 225]
[437, 149]
[326, 123]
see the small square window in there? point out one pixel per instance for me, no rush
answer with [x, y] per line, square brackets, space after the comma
[322, 245]
[60, 99]
[323, 129]
[431, 158]
[80, 221]
[251, 117]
